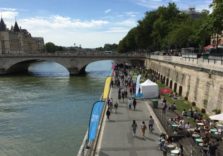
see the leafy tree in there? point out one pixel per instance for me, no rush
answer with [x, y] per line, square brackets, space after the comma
[167, 28]
[50, 47]
[216, 18]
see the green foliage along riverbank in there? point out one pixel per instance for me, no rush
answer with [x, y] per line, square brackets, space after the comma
[168, 28]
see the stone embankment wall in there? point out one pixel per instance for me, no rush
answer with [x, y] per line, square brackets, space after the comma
[200, 85]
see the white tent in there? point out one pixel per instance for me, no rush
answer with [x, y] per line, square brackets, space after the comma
[217, 117]
[149, 89]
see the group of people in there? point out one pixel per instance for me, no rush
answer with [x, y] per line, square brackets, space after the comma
[206, 134]
[143, 127]
[166, 144]
[110, 107]
[132, 102]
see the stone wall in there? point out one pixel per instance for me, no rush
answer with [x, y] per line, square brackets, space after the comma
[203, 87]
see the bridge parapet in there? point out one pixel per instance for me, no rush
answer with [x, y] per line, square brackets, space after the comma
[79, 54]
[74, 62]
[205, 64]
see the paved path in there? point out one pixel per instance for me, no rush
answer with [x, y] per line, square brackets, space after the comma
[116, 137]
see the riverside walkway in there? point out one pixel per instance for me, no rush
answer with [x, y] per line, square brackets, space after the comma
[116, 137]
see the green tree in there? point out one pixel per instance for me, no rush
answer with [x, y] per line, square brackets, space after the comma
[50, 47]
[167, 28]
[216, 18]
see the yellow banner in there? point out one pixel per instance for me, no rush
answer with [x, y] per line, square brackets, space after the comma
[107, 88]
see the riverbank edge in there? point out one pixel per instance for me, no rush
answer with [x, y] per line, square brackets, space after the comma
[90, 149]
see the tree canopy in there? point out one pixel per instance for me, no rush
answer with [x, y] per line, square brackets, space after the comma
[167, 28]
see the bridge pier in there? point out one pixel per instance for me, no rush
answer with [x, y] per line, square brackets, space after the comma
[2, 71]
[73, 71]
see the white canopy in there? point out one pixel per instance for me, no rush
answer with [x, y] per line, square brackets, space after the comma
[149, 89]
[217, 117]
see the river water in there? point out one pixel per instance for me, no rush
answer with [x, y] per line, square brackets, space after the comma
[48, 116]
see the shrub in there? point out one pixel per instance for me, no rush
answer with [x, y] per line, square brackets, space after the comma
[193, 103]
[203, 110]
[217, 111]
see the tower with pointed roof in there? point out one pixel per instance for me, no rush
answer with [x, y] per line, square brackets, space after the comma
[16, 27]
[2, 25]
[18, 40]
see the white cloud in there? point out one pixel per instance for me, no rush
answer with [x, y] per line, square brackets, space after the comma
[8, 13]
[107, 11]
[55, 22]
[127, 23]
[66, 31]
[131, 14]
[117, 30]
[182, 4]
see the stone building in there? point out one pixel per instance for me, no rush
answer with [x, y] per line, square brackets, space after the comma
[17, 40]
[217, 39]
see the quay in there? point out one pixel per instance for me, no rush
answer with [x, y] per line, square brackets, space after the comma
[116, 136]
[195, 80]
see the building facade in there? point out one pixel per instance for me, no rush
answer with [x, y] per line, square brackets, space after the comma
[217, 39]
[17, 40]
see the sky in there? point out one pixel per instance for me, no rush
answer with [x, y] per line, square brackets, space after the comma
[85, 23]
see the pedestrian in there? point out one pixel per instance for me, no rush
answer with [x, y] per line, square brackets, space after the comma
[112, 83]
[119, 96]
[212, 148]
[134, 103]
[162, 140]
[164, 107]
[151, 123]
[130, 90]
[134, 127]
[108, 114]
[164, 149]
[116, 106]
[123, 96]
[181, 150]
[130, 103]
[143, 129]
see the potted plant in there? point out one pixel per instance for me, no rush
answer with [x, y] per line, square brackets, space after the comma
[216, 111]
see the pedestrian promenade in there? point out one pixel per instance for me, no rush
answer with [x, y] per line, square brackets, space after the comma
[116, 138]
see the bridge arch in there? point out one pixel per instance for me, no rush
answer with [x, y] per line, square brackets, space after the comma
[19, 67]
[82, 69]
[75, 63]
[23, 66]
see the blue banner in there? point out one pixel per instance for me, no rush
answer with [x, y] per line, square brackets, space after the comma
[94, 119]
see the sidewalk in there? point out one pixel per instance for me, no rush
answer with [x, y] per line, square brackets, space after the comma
[116, 137]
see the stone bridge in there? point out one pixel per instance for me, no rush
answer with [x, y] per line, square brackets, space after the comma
[74, 62]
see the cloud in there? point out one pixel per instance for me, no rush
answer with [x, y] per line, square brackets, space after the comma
[8, 13]
[107, 11]
[127, 23]
[131, 14]
[182, 4]
[65, 31]
[117, 30]
[60, 22]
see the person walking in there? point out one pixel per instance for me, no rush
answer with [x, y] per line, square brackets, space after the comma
[143, 129]
[130, 103]
[151, 123]
[116, 106]
[164, 149]
[212, 148]
[134, 127]
[123, 96]
[134, 103]
[108, 114]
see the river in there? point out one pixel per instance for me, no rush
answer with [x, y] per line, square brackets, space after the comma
[48, 115]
